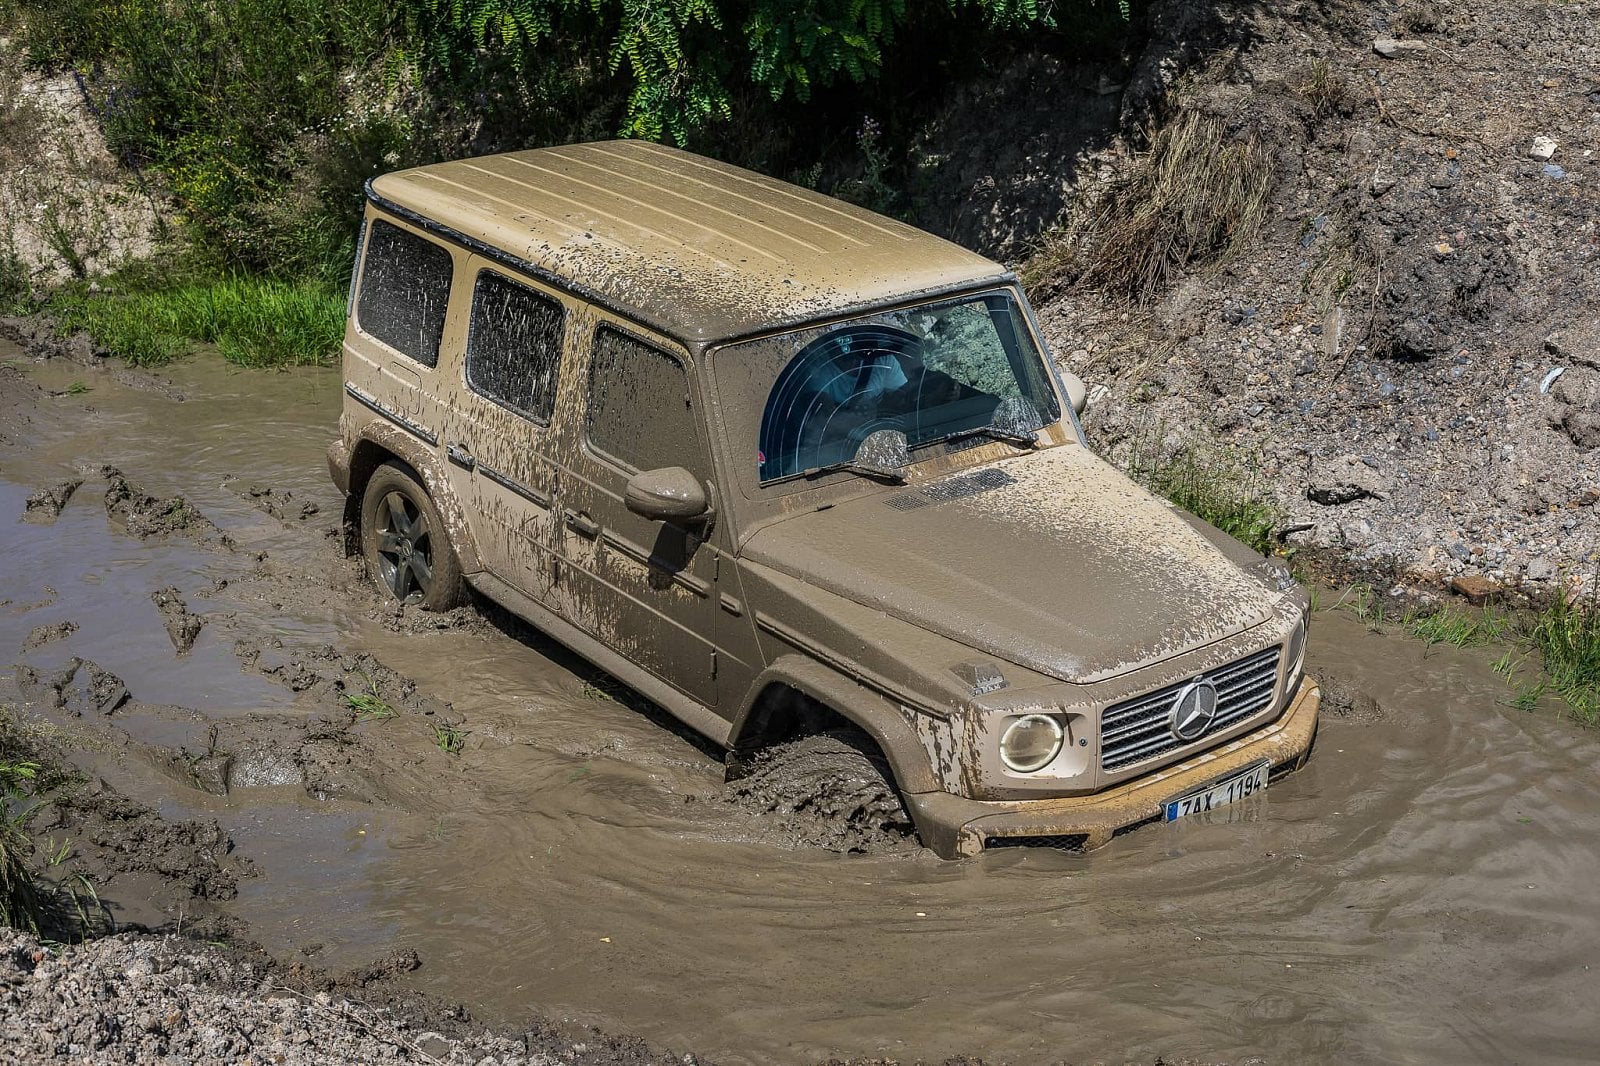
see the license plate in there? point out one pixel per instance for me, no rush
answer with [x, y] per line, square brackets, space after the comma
[1246, 783]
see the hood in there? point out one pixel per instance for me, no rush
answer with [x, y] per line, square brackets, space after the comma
[1054, 561]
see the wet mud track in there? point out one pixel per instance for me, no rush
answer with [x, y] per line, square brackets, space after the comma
[1422, 892]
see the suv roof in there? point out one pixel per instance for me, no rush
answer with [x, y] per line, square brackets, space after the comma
[700, 250]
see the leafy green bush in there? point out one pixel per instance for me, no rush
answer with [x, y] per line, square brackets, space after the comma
[253, 321]
[236, 104]
[684, 59]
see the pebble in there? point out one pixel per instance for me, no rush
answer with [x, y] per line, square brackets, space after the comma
[1543, 148]
[1391, 48]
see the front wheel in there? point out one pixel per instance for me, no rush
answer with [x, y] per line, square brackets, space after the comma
[404, 542]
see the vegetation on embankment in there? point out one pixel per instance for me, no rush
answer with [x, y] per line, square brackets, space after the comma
[1550, 650]
[253, 321]
[256, 123]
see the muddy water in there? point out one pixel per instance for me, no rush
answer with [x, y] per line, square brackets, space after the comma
[1422, 892]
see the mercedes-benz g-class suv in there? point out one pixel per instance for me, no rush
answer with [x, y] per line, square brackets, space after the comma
[774, 461]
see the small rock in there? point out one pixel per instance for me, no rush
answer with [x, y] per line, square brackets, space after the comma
[1543, 148]
[1390, 48]
[1550, 170]
[1344, 479]
[1477, 589]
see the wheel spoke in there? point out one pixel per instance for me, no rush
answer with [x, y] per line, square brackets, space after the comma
[389, 542]
[421, 572]
[399, 521]
[401, 585]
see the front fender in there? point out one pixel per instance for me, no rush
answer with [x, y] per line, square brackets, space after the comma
[889, 724]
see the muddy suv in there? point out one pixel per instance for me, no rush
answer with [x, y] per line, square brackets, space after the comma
[784, 465]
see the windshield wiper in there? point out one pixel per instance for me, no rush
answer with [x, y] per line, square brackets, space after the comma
[1010, 436]
[893, 477]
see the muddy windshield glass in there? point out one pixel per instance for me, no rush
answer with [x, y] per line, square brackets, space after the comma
[937, 373]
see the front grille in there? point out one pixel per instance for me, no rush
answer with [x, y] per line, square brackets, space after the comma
[1069, 843]
[1139, 729]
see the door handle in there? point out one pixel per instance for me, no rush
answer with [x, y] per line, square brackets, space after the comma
[582, 524]
[459, 455]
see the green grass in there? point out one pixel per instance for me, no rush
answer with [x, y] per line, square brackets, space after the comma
[448, 738]
[368, 705]
[1559, 645]
[1461, 627]
[20, 903]
[254, 322]
[1214, 485]
[1567, 638]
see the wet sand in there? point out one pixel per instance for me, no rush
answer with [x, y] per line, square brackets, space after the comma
[1421, 892]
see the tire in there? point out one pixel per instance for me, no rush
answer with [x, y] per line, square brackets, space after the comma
[404, 542]
[833, 789]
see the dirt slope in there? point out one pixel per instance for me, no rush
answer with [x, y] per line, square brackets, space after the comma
[1409, 351]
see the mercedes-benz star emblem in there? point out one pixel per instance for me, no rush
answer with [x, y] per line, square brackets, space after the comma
[1194, 710]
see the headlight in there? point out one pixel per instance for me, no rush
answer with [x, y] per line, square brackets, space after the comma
[1030, 742]
[1296, 654]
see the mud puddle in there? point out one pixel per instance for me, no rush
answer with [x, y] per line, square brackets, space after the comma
[1422, 892]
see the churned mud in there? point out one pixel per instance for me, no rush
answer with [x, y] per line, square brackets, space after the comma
[830, 790]
[342, 781]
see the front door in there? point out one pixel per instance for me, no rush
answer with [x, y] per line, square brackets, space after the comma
[655, 591]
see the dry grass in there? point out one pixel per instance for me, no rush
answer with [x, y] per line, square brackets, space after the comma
[1197, 197]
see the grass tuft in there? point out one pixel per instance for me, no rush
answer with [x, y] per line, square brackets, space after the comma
[1212, 483]
[21, 905]
[1567, 636]
[1461, 627]
[1196, 198]
[369, 706]
[449, 739]
[255, 322]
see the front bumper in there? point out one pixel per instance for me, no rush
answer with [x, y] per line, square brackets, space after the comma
[954, 826]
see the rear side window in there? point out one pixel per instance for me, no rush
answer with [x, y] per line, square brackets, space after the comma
[639, 410]
[514, 347]
[405, 285]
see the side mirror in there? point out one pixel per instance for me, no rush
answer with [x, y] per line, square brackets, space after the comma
[1077, 391]
[668, 494]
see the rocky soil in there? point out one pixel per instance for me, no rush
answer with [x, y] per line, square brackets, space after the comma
[1408, 355]
[134, 998]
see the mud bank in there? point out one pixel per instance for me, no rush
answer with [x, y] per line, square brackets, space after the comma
[1421, 892]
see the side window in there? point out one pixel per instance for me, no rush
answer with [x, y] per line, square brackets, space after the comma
[514, 346]
[639, 409]
[404, 288]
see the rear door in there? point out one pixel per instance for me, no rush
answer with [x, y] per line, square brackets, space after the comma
[392, 352]
[497, 439]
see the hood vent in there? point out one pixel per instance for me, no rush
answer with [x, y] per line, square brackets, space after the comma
[954, 488]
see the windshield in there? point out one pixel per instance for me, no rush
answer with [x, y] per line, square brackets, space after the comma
[935, 373]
